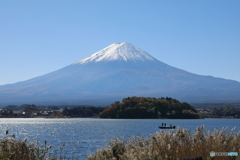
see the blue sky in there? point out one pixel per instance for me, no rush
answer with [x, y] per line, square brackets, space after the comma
[38, 37]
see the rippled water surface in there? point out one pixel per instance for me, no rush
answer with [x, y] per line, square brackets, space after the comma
[85, 135]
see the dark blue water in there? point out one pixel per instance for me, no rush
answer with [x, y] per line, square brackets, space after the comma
[86, 135]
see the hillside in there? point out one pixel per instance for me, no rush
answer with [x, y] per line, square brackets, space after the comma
[146, 107]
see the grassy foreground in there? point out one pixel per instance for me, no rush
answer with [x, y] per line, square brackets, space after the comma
[172, 145]
[11, 149]
[161, 145]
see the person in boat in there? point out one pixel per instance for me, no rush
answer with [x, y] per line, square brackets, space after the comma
[162, 124]
[170, 125]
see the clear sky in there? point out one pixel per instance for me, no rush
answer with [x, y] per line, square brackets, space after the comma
[199, 36]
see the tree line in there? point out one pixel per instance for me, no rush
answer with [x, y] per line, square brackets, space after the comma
[226, 112]
[82, 111]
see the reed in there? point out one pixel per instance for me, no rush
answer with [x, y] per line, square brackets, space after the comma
[172, 145]
[11, 149]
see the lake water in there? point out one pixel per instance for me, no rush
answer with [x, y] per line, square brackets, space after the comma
[86, 135]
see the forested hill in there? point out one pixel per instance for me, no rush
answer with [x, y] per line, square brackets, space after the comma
[146, 107]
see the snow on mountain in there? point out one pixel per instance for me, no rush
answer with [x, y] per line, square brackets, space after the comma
[118, 51]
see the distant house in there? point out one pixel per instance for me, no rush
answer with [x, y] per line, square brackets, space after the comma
[17, 112]
[44, 113]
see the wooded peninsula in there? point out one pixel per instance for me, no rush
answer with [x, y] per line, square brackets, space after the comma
[146, 107]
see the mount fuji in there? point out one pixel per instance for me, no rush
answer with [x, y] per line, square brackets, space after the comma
[115, 72]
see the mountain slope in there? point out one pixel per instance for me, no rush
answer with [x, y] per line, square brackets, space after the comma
[119, 70]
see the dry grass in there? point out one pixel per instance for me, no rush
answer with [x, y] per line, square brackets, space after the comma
[172, 145]
[11, 149]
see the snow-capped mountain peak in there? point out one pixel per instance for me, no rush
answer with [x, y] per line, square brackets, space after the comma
[118, 52]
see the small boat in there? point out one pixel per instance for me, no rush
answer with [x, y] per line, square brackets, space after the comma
[171, 127]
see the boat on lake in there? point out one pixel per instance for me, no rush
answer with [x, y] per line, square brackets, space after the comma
[171, 127]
